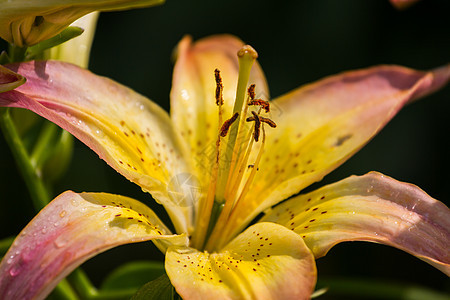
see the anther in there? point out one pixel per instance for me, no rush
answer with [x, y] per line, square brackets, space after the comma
[268, 121]
[219, 87]
[257, 119]
[251, 91]
[226, 125]
[264, 104]
[257, 126]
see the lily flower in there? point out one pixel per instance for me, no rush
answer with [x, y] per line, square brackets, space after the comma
[224, 156]
[25, 23]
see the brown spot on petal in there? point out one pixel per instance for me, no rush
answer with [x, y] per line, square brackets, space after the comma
[342, 139]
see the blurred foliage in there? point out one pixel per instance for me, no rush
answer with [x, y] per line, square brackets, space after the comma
[298, 42]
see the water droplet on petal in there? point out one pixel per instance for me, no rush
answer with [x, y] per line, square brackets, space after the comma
[60, 242]
[15, 270]
[44, 230]
[62, 213]
[75, 203]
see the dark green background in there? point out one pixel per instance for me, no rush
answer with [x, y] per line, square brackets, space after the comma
[298, 42]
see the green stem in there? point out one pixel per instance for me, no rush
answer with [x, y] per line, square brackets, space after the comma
[87, 290]
[82, 284]
[373, 289]
[40, 150]
[16, 54]
[38, 192]
[115, 295]
[64, 291]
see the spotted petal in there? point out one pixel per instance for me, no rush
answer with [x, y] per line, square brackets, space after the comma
[371, 208]
[323, 124]
[193, 106]
[131, 133]
[267, 261]
[70, 230]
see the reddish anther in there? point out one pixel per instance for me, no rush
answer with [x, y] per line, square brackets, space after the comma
[264, 104]
[219, 87]
[226, 125]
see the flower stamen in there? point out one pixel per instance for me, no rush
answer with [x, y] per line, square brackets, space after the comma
[251, 92]
[226, 125]
[230, 181]
[264, 104]
[257, 121]
[219, 88]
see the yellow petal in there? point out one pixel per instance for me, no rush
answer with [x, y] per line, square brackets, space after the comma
[68, 231]
[193, 106]
[267, 261]
[131, 133]
[323, 124]
[372, 208]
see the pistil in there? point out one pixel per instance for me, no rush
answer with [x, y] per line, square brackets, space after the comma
[247, 56]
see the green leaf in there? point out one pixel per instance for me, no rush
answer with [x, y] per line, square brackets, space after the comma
[133, 275]
[67, 34]
[158, 289]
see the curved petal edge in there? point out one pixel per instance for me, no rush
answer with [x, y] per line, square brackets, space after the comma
[373, 208]
[68, 231]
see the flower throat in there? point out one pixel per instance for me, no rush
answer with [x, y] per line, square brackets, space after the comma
[235, 140]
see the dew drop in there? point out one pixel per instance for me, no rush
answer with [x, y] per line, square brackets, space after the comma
[15, 270]
[75, 203]
[62, 213]
[44, 230]
[60, 242]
